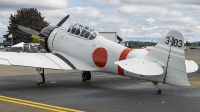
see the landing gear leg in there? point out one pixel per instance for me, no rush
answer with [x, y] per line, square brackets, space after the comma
[159, 91]
[40, 78]
[86, 76]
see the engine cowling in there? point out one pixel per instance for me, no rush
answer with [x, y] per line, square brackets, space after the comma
[44, 35]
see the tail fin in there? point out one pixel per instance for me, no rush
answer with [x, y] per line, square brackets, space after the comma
[169, 52]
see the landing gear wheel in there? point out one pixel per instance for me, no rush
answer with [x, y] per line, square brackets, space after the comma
[159, 91]
[86, 75]
[40, 78]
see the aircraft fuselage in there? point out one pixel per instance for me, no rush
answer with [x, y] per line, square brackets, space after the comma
[98, 54]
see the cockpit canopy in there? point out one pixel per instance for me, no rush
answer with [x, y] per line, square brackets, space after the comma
[83, 31]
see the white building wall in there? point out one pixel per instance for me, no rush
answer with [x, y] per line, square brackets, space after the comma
[109, 35]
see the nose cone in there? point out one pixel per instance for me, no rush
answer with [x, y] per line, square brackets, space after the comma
[44, 35]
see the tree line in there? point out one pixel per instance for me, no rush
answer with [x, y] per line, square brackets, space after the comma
[192, 43]
[138, 44]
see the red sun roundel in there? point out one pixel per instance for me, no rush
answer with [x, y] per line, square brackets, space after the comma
[100, 57]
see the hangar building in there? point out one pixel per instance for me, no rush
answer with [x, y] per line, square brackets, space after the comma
[111, 36]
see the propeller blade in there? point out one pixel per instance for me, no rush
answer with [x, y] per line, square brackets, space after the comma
[28, 30]
[63, 20]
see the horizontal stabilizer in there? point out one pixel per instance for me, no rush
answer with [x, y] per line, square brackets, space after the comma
[40, 60]
[141, 66]
[191, 66]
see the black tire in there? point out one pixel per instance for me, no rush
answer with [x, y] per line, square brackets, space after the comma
[38, 83]
[159, 91]
[86, 75]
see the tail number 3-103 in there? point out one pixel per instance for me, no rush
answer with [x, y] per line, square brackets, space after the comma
[175, 42]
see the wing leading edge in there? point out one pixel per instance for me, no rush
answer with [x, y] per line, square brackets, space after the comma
[41, 60]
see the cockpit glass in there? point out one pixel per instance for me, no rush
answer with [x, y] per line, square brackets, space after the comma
[93, 36]
[73, 30]
[77, 32]
[70, 28]
[86, 28]
[87, 34]
[82, 31]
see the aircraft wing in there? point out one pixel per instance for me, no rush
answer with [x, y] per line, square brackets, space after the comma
[41, 60]
[191, 66]
[141, 66]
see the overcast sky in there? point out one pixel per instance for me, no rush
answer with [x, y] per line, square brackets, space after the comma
[145, 20]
